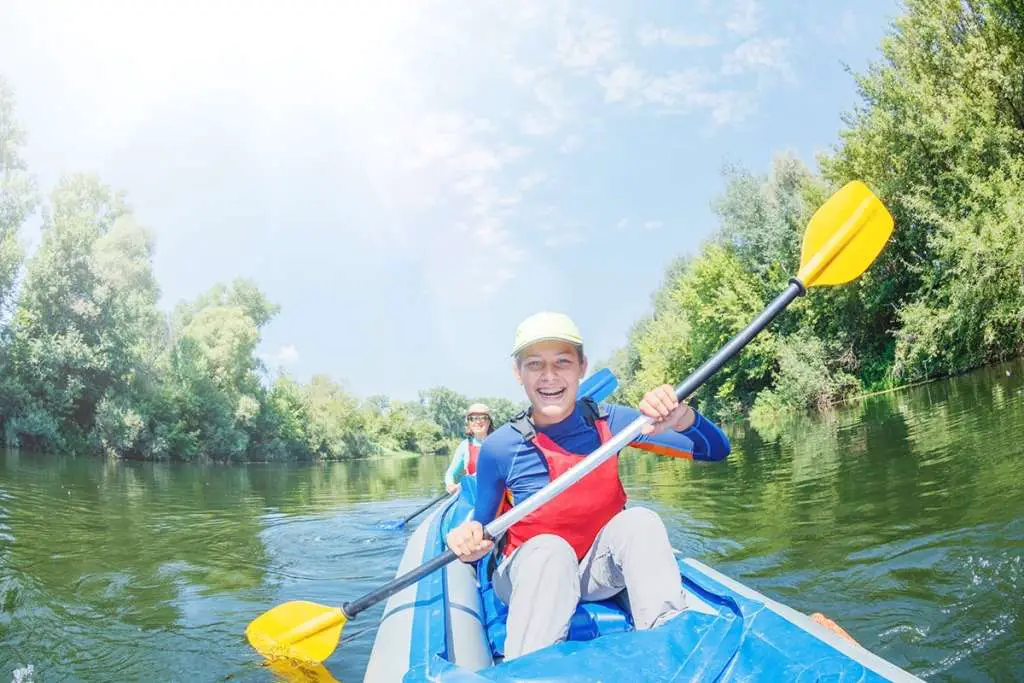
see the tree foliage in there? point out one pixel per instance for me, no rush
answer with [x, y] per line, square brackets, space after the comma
[18, 195]
[938, 135]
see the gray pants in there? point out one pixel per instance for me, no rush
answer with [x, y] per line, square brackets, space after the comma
[542, 582]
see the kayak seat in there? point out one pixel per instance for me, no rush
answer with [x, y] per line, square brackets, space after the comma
[591, 619]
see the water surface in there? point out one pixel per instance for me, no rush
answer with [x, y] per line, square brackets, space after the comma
[901, 517]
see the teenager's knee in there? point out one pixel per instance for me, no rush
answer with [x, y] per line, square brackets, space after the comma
[548, 559]
[548, 550]
[643, 522]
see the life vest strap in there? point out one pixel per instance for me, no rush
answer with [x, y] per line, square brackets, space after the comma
[592, 412]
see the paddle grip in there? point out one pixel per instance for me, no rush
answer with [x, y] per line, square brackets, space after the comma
[711, 366]
[351, 609]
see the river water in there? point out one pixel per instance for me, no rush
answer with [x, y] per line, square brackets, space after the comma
[900, 516]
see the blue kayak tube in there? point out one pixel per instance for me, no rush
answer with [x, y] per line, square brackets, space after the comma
[450, 626]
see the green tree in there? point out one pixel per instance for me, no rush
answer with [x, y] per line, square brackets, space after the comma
[18, 195]
[447, 408]
[763, 219]
[86, 321]
[213, 391]
[939, 135]
[282, 426]
[721, 298]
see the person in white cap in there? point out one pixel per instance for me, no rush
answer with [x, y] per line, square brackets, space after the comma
[478, 425]
[584, 544]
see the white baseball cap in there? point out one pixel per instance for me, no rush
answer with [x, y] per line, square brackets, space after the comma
[546, 325]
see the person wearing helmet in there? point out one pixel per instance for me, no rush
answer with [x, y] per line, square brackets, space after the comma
[584, 544]
[478, 425]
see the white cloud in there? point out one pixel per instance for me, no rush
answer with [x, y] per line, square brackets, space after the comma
[564, 238]
[475, 260]
[650, 34]
[527, 13]
[587, 42]
[730, 107]
[678, 89]
[745, 17]
[538, 124]
[532, 180]
[472, 185]
[587, 45]
[284, 356]
[571, 143]
[622, 83]
[653, 225]
[677, 92]
[581, 44]
[554, 107]
[760, 55]
[454, 183]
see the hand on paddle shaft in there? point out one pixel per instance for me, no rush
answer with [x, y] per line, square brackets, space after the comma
[843, 238]
[667, 412]
[468, 540]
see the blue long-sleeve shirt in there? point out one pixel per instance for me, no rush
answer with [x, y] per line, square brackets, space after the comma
[460, 461]
[507, 462]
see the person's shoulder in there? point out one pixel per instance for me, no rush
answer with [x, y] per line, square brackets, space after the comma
[499, 449]
[612, 409]
[602, 407]
[501, 442]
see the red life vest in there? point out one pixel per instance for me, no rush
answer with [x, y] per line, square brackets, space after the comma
[580, 512]
[474, 452]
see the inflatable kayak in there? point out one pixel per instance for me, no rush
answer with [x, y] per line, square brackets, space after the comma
[450, 627]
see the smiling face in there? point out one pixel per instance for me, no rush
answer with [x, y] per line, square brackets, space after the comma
[550, 372]
[478, 426]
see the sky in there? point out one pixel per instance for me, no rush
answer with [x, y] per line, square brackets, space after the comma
[410, 179]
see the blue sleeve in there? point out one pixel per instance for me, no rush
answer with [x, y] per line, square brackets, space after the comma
[491, 474]
[458, 464]
[709, 441]
[704, 440]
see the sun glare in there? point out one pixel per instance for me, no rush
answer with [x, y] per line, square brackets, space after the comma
[131, 57]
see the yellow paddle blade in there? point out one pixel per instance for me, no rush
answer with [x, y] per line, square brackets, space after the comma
[298, 630]
[844, 237]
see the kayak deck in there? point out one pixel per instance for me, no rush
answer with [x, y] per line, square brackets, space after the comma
[451, 627]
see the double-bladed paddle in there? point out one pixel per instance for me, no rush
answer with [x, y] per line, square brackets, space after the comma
[842, 239]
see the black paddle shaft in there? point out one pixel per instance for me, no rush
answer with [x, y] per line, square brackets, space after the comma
[711, 366]
[351, 609]
[687, 387]
[428, 505]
